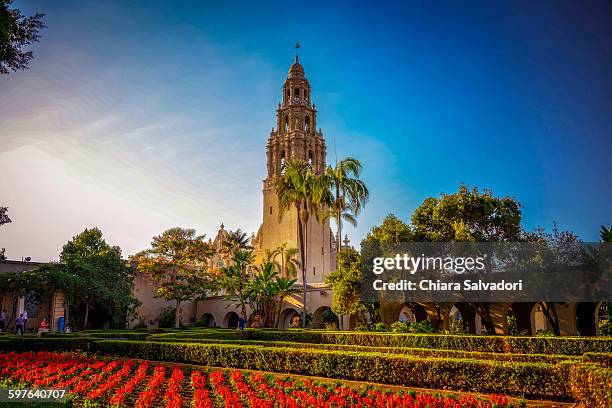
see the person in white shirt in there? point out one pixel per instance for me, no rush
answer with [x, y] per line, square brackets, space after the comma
[25, 319]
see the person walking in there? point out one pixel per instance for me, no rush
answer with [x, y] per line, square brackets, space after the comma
[3, 320]
[20, 324]
[25, 319]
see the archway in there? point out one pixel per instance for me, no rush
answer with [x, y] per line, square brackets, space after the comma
[522, 313]
[407, 315]
[456, 324]
[324, 316]
[289, 318]
[417, 310]
[231, 320]
[207, 320]
[469, 319]
[604, 318]
[539, 322]
[587, 318]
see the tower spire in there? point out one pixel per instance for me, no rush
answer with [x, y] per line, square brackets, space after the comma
[297, 46]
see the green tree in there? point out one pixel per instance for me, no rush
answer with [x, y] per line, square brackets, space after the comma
[308, 194]
[17, 32]
[177, 261]
[234, 278]
[606, 234]
[468, 215]
[562, 248]
[97, 273]
[350, 194]
[267, 292]
[287, 265]
[235, 241]
[4, 219]
[346, 283]
[391, 231]
[284, 288]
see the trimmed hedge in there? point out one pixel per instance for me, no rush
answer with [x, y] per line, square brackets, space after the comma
[495, 344]
[532, 379]
[119, 335]
[18, 343]
[587, 382]
[418, 352]
[603, 359]
[591, 385]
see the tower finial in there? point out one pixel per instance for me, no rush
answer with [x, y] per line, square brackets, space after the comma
[297, 46]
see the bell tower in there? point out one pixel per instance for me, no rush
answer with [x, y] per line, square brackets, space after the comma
[295, 137]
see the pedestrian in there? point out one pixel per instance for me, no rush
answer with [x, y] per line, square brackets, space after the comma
[20, 324]
[3, 320]
[241, 322]
[25, 319]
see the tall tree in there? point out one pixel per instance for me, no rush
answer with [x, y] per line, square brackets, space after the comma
[97, 272]
[469, 215]
[605, 234]
[4, 219]
[300, 188]
[16, 32]
[234, 278]
[236, 241]
[562, 248]
[346, 283]
[350, 194]
[283, 258]
[177, 261]
[392, 230]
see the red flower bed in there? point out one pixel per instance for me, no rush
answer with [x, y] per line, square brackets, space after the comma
[124, 382]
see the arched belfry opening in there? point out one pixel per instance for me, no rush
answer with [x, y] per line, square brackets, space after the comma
[282, 162]
[307, 124]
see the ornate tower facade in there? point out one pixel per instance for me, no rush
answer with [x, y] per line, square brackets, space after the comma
[295, 137]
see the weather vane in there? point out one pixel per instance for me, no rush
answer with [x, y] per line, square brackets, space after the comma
[297, 46]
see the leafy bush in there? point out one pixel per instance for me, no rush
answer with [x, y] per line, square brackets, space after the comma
[591, 384]
[603, 359]
[497, 344]
[532, 379]
[167, 318]
[545, 333]
[399, 327]
[417, 327]
[420, 352]
[458, 327]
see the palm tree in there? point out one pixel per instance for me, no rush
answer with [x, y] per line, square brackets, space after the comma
[288, 265]
[235, 241]
[284, 288]
[234, 278]
[350, 194]
[606, 234]
[300, 188]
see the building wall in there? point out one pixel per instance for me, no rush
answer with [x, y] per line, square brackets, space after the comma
[152, 308]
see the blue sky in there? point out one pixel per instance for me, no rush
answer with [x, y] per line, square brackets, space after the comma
[136, 119]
